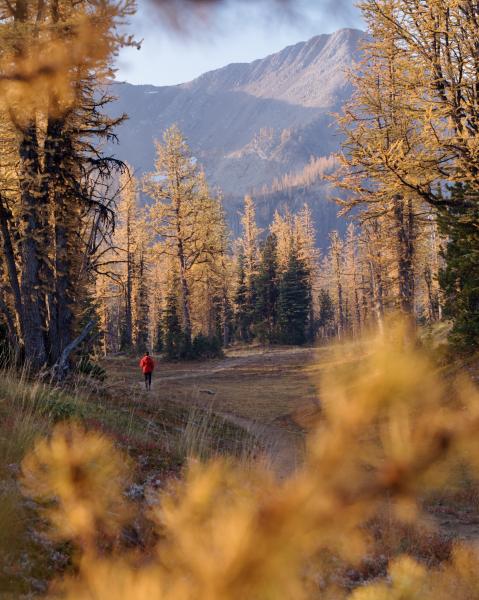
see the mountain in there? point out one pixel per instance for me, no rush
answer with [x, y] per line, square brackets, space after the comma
[253, 126]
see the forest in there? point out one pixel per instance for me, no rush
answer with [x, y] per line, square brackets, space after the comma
[316, 412]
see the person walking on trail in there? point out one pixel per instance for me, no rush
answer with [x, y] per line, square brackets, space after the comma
[147, 365]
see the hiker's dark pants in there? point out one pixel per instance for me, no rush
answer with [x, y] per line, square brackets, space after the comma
[148, 380]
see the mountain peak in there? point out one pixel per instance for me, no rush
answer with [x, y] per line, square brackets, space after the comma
[291, 73]
[249, 124]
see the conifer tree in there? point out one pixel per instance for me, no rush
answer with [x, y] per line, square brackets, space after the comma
[352, 278]
[326, 313]
[267, 292]
[305, 240]
[125, 241]
[60, 209]
[247, 270]
[243, 304]
[158, 340]
[294, 302]
[210, 276]
[141, 308]
[249, 240]
[460, 275]
[373, 257]
[172, 332]
[283, 227]
[336, 253]
[156, 311]
[183, 215]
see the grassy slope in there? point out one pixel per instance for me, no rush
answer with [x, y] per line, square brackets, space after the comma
[263, 385]
[158, 437]
[196, 408]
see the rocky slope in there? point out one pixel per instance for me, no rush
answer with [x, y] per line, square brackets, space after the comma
[248, 124]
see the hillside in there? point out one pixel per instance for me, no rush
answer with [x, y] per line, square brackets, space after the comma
[249, 124]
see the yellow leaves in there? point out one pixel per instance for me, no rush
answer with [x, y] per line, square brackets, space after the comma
[458, 580]
[80, 478]
[392, 412]
[231, 532]
[116, 579]
[43, 63]
[407, 583]
[392, 431]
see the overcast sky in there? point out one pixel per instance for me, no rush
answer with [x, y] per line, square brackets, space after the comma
[233, 33]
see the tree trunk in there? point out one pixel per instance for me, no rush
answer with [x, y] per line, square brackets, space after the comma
[9, 256]
[185, 290]
[31, 251]
[12, 334]
[405, 254]
[61, 367]
[376, 288]
[128, 333]
[60, 298]
[31, 220]
[185, 300]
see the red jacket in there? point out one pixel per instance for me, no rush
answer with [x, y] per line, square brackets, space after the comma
[147, 364]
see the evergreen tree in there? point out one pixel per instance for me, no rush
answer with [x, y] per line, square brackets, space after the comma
[249, 240]
[159, 335]
[247, 271]
[337, 259]
[267, 292]
[244, 306]
[227, 318]
[460, 276]
[158, 331]
[326, 313]
[305, 236]
[142, 308]
[125, 243]
[294, 302]
[52, 219]
[172, 334]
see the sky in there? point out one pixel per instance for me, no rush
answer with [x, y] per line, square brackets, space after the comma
[233, 32]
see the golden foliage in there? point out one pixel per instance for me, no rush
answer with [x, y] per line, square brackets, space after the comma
[80, 477]
[392, 430]
[46, 54]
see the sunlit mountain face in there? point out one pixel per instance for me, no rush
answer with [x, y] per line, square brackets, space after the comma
[265, 127]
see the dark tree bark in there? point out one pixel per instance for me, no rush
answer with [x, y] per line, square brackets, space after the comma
[405, 252]
[31, 251]
[9, 256]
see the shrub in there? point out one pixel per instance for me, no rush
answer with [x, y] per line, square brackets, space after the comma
[87, 367]
[206, 347]
[392, 431]
[59, 406]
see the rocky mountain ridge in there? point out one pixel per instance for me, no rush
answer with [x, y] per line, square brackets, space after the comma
[248, 124]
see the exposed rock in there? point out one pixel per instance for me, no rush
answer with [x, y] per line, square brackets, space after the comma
[250, 123]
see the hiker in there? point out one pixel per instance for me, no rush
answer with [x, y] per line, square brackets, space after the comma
[147, 365]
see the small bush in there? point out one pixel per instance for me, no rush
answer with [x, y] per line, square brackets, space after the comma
[60, 407]
[205, 347]
[393, 431]
[91, 369]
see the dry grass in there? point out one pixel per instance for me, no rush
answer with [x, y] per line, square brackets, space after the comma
[202, 411]
[393, 432]
[250, 383]
[28, 410]
[158, 436]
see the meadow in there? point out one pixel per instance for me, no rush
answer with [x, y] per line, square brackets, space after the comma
[320, 459]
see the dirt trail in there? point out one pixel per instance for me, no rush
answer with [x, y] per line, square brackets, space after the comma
[225, 387]
[283, 447]
[266, 394]
[234, 362]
